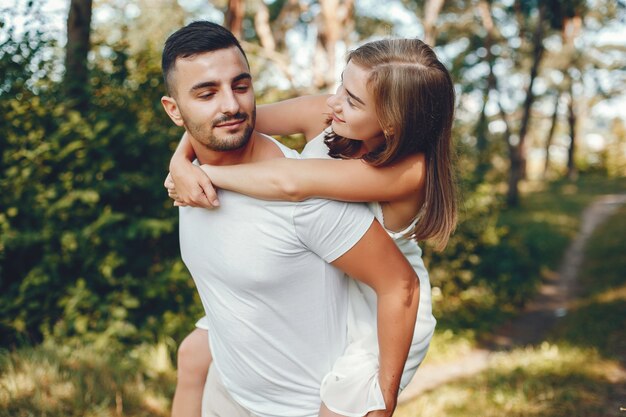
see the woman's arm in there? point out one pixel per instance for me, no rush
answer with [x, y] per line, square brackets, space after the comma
[192, 186]
[299, 179]
[306, 115]
[376, 261]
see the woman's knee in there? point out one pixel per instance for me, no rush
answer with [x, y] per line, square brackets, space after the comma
[194, 355]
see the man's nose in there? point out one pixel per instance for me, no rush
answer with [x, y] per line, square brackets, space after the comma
[230, 105]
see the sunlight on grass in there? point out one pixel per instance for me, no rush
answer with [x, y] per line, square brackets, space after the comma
[58, 381]
[580, 372]
[565, 221]
[605, 255]
[549, 380]
[598, 317]
[446, 346]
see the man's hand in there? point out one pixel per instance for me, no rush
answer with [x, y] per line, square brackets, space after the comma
[192, 188]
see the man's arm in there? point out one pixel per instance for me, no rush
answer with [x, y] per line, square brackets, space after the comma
[377, 261]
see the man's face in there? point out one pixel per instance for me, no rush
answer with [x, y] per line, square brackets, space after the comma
[214, 98]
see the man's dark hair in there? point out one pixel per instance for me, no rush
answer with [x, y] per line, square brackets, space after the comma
[195, 38]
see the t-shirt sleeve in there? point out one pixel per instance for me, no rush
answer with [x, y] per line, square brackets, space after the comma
[331, 228]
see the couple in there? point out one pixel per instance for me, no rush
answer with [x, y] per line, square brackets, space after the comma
[285, 327]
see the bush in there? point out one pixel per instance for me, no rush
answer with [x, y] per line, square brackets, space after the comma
[89, 242]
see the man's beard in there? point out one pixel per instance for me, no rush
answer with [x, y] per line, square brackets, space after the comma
[228, 142]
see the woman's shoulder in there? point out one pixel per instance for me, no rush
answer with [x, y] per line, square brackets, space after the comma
[316, 147]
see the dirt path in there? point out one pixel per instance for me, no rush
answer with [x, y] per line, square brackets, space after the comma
[539, 316]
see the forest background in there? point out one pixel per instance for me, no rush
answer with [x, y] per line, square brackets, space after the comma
[89, 258]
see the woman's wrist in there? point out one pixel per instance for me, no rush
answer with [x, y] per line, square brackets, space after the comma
[389, 387]
[179, 163]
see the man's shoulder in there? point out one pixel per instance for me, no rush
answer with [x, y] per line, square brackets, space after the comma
[274, 148]
[321, 207]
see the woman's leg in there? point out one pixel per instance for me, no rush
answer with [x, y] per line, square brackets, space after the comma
[194, 359]
[325, 412]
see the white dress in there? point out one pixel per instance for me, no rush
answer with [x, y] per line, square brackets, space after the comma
[352, 388]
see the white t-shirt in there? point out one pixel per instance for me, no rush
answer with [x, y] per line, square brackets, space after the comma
[275, 307]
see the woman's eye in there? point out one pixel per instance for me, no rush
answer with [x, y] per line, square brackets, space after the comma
[349, 101]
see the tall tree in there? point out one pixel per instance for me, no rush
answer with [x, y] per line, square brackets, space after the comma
[432, 8]
[517, 151]
[553, 122]
[571, 29]
[334, 17]
[234, 17]
[78, 44]
[482, 130]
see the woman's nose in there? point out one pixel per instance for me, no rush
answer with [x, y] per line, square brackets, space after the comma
[333, 101]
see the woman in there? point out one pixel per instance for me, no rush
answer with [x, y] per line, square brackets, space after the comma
[389, 125]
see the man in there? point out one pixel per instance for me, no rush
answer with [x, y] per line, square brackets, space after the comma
[276, 308]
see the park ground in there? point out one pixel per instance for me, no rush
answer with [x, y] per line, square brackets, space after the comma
[575, 367]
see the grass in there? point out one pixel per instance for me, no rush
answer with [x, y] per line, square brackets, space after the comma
[581, 369]
[547, 381]
[598, 318]
[549, 214]
[49, 380]
[543, 225]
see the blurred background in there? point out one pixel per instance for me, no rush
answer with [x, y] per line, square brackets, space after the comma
[94, 298]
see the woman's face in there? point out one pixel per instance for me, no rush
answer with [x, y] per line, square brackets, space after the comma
[352, 108]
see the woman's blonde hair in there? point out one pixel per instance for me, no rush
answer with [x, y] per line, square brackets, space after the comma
[414, 96]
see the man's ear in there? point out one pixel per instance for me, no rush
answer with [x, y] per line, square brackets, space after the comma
[171, 108]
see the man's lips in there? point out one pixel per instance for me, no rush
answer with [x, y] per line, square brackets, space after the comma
[231, 123]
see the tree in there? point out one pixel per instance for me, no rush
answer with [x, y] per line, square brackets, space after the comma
[432, 8]
[550, 135]
[517, 151]
[78, 44]
[334, 20]
[234, 17]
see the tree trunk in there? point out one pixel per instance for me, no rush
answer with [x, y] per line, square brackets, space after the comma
[262, 26]
[518, 158]
[432, 8]
[555, 118]
[335, 14]
[76, 79]
[287, 18]
[234, 17]
[482, 127]
[571, 30]
[515, 175]
[572, 172]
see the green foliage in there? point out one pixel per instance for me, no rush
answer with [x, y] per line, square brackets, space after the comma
[89, 242]
[498, 257]
[578, 371]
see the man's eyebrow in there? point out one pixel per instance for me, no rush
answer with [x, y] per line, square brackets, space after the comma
[242, 76]
[209, 84]
[205, 84]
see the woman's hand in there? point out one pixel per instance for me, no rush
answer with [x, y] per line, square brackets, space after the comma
[391, 407]
[191, 187]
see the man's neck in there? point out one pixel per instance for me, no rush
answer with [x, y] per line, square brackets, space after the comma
[238, 156]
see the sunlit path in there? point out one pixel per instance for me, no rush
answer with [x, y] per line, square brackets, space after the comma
[538, 317]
